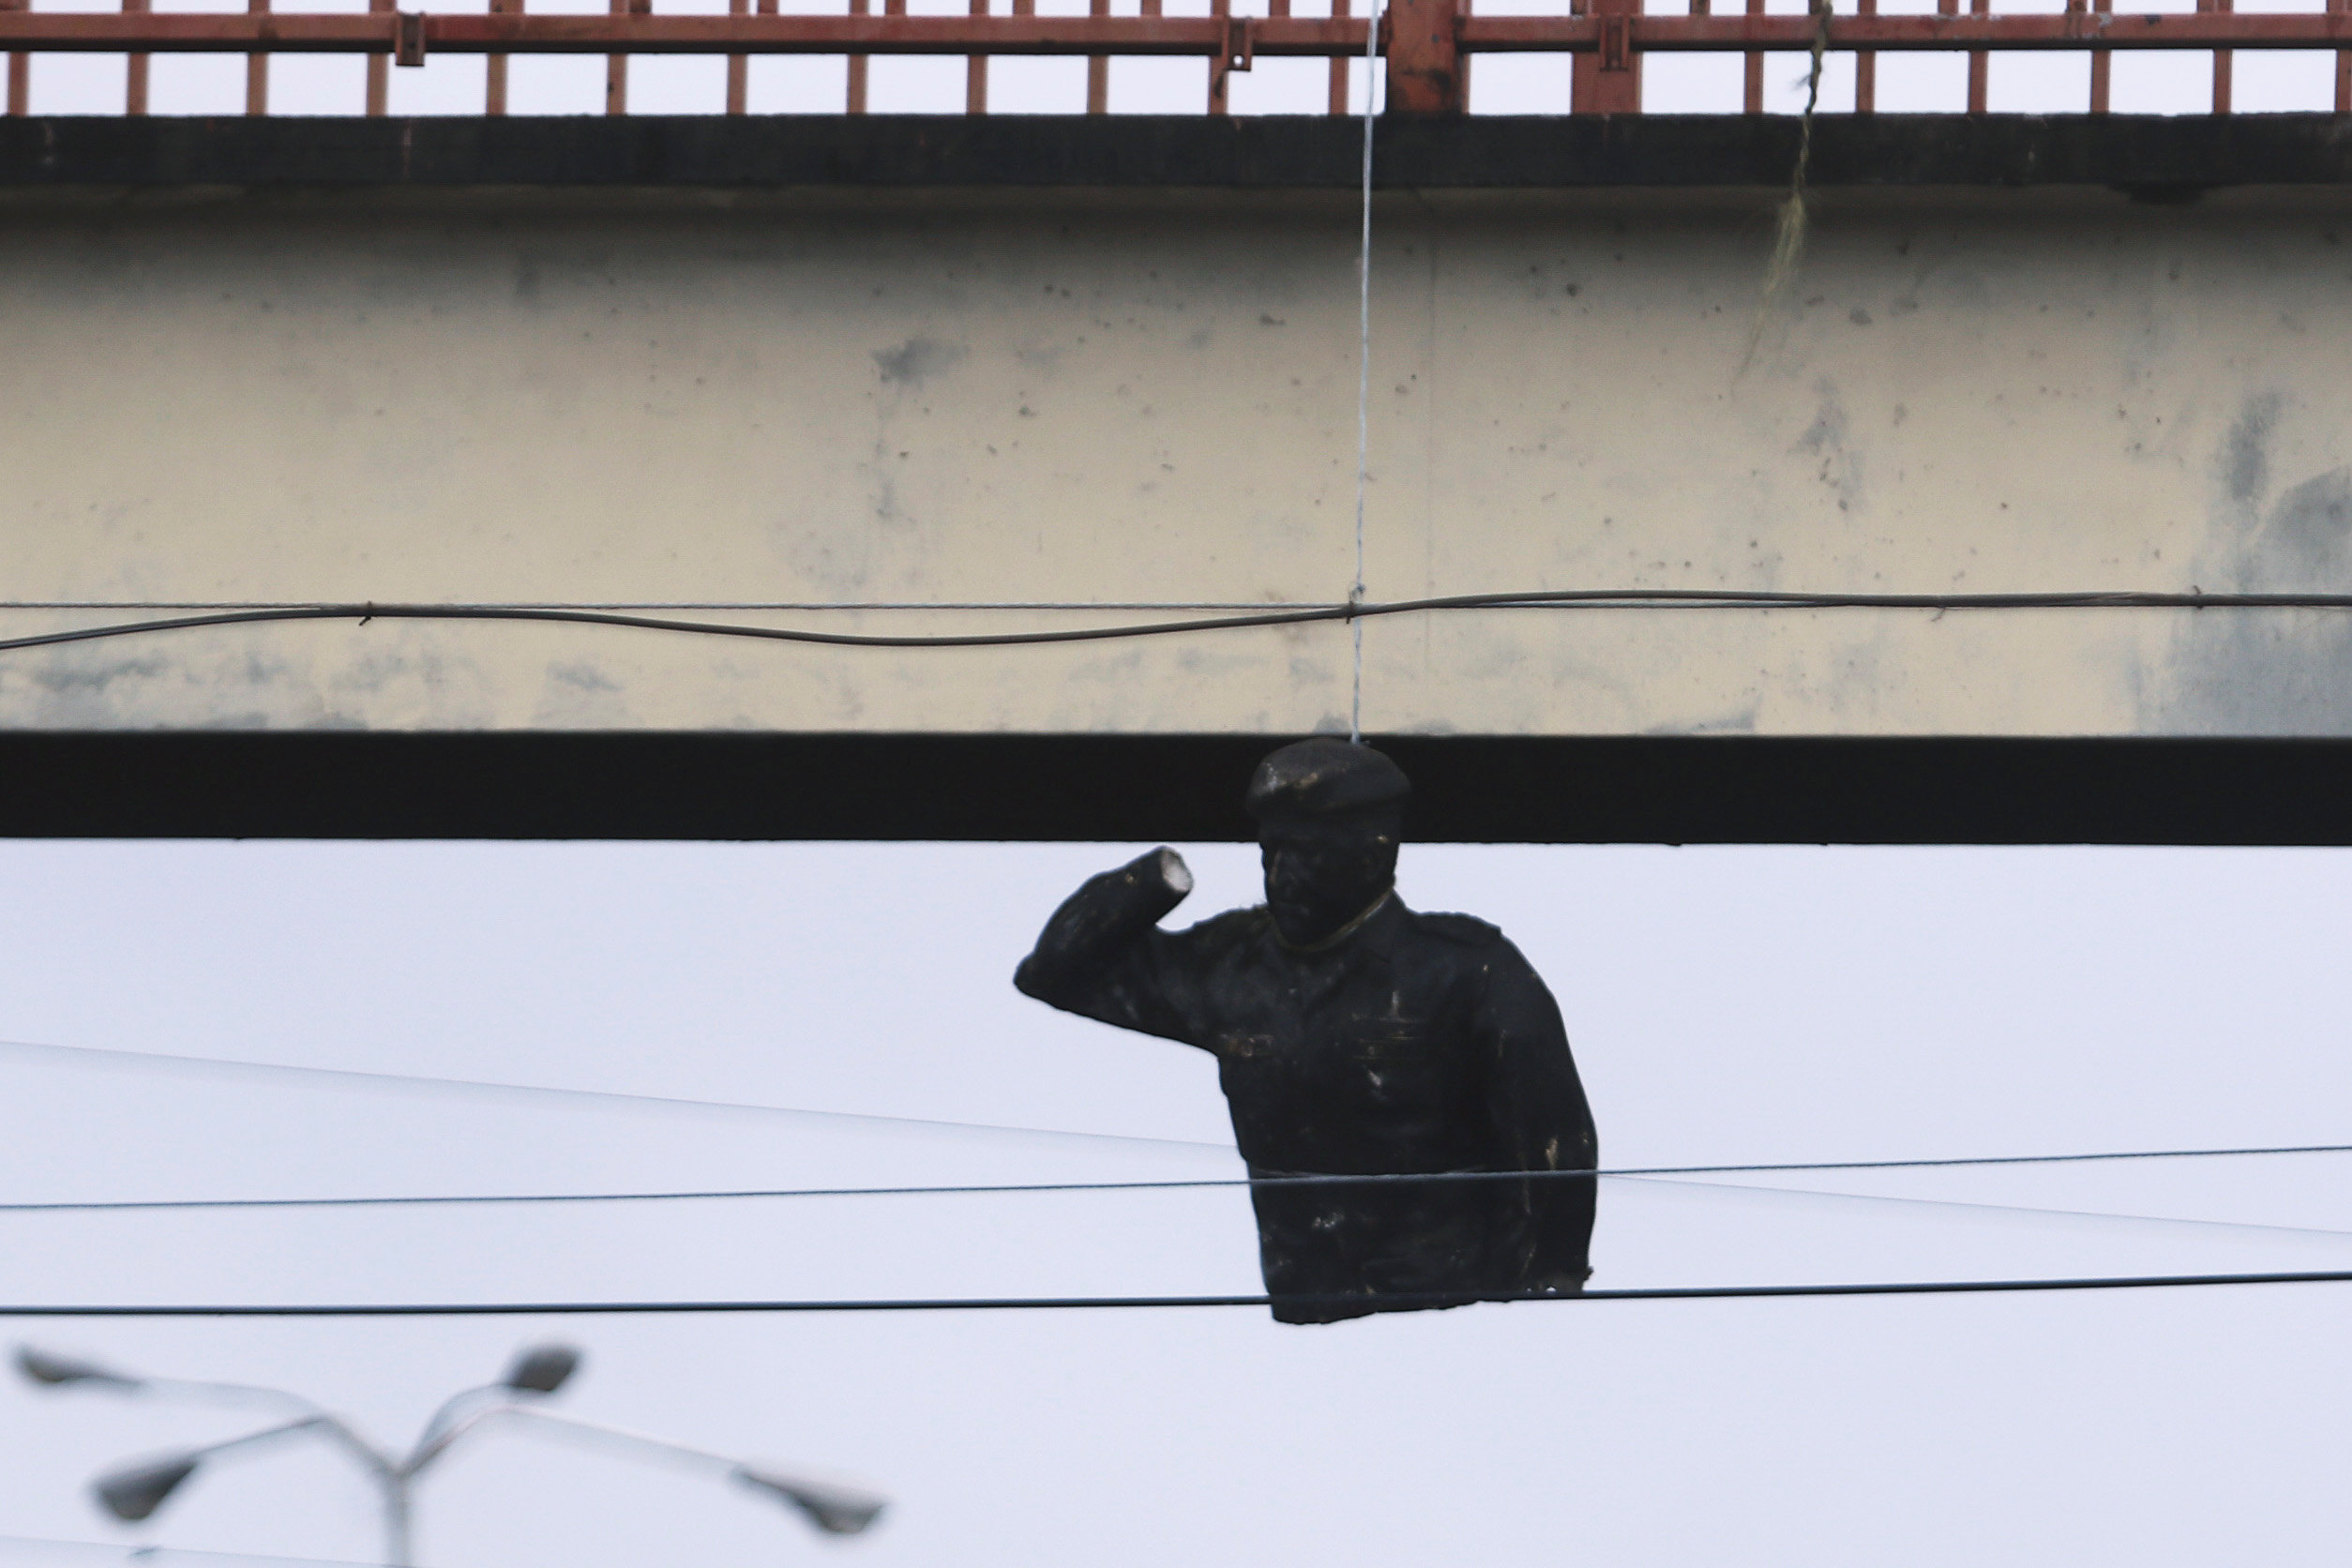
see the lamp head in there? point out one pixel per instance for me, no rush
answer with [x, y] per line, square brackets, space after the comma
[47, 1367]
[135, 1491]
[542, 1368]
[834, 1509]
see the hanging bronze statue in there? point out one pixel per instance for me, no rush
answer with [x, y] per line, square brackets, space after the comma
[1353, 1037]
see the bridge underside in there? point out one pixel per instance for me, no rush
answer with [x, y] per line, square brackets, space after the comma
[939, 377]
[1161, 788]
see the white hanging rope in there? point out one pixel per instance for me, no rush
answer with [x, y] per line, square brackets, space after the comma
[1364, 373]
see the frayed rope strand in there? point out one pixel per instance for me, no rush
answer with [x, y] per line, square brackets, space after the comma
[1788, 239]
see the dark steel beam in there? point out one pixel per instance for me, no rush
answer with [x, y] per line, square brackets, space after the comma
[1142, 789]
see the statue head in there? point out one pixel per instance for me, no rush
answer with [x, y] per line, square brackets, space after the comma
[1329, 813]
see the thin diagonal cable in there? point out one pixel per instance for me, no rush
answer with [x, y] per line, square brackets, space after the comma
[464, 1200]
[356, 1077]
[147, 1552]
[2022, 1210]
[1181, 1185]
[361, 1078]
[1069, 1303]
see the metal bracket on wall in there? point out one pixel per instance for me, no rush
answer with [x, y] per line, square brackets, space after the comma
[1241, 43]
[1617, 42]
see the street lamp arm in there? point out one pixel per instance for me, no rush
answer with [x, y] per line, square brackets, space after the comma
[282, 1429]
[189, 1388]
[135, 1491]
[132, 1492]
[48, 1367]
[322, 1424]
[442, 1429]
[620, 1436]
[832, 1507]
[369, 1456]
[536, 1370]
[315, 1416]
[432, 1444]
[838, 1509]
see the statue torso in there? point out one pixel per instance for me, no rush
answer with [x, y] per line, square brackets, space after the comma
[1360, 1058]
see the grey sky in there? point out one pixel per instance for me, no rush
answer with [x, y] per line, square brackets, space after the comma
[1726, 1004]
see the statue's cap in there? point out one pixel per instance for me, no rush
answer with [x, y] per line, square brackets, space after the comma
[1322, 777]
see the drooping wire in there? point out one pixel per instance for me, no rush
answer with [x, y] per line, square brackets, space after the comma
[1079, 1303]
[1578, 598]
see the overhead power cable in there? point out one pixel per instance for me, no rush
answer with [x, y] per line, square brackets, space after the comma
[762, 606]
[1594, 598]
[1085, 1304]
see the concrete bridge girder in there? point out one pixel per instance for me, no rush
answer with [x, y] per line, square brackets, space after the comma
[851, 400]
[997, 379]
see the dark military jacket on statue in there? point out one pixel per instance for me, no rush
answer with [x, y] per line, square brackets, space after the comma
[1411, 1042]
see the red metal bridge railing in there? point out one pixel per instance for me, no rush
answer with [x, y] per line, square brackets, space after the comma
[1426, 44]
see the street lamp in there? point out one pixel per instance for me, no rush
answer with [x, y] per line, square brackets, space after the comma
[46, 1367]
[133, 1491]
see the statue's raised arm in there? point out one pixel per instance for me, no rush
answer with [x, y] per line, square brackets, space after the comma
[1353, 1037]
[1103, 955]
